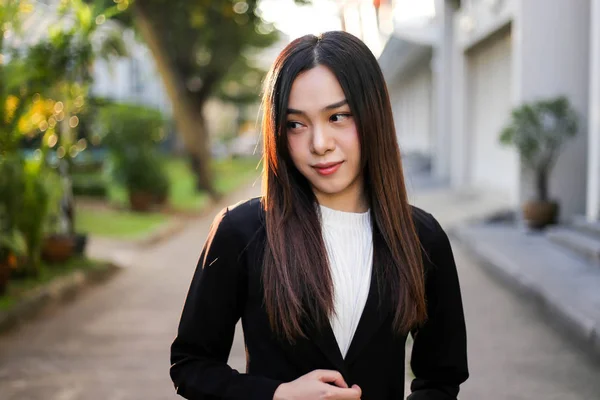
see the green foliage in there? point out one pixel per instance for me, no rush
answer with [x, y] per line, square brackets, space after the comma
[14, 242]
[54, 63]
[539, 130]
[30, 196]
[11, 193]
[209, 42]
[91, 187]
[132, 134]
[33, 210]
[127, 126]
[54, 192]
[11, 187]
[142, 171]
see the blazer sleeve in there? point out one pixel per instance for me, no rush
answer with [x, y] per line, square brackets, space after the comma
[439, 355]
[213, 306]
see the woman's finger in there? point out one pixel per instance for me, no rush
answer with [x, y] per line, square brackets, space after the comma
[333, 377]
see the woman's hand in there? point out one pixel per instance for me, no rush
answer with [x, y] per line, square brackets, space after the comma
[318, 384]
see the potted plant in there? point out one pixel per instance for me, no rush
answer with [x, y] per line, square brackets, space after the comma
[132, 134]
[58, 243]
[32, 213]
[12, 254]
[538, 130]
[13, 248]
[143, 174]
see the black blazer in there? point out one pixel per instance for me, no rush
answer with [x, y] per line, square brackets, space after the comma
[227, 286]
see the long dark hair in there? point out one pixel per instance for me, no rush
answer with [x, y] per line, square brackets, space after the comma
[297, 282]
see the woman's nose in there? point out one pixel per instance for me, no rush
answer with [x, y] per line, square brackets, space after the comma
[322, 141]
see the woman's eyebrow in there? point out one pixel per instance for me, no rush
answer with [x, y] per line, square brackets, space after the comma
[329, 107]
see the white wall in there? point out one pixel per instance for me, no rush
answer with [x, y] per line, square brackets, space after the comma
[550, 57]
[478, 19]
[491, 165]
[442, 90]
[593, 198]
[553, 59]
[412, 105]
[473, 23]
[132, 79]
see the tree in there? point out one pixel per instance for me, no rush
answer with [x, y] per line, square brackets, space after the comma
[201, 49]
[56, 69]
[14, 96]
[71, 50]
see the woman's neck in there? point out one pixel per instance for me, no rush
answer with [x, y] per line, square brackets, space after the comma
[347, 202]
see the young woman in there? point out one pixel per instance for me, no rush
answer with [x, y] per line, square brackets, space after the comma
[331, 268]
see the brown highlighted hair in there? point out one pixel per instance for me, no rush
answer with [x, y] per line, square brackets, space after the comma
[297, 282]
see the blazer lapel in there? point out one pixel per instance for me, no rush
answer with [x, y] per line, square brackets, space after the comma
[373, 315]
[327, 343]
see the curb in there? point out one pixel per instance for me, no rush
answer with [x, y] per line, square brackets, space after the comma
[60, 290]
[568, 321]
[170, 229]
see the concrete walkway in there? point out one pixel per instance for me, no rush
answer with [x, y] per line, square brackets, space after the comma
[565, 286]
[113, 342]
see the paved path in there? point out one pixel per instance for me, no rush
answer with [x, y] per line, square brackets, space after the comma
[113, 342]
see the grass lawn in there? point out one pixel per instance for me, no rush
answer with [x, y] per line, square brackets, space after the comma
[120, 223]
[229, 174]
[18, 287]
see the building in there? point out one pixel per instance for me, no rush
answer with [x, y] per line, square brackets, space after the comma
[406, 46]
[408, 64]
[453, 82]
[133, 79]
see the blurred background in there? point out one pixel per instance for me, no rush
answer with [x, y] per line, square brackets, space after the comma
[126, 124]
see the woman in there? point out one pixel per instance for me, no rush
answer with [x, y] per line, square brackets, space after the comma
[331, 268]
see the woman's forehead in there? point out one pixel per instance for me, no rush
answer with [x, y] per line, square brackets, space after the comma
[315, 89]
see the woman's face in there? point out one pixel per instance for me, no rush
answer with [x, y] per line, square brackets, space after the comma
[323, 140]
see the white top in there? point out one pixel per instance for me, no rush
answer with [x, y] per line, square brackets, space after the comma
[349, 242]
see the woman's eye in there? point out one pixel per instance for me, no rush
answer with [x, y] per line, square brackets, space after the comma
[339, 117]
[293, 125]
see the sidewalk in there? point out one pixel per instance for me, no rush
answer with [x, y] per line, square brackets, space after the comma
[565, 287]
[113, 342]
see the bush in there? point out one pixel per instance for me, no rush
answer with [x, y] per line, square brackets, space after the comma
[142, 171]
[34, 209]
[91, 188]
[132, 134]
[126, 126]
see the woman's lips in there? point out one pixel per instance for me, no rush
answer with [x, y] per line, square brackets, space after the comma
[327, 169]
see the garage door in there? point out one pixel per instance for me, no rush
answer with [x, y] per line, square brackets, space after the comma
[491, 166]
[411, 99]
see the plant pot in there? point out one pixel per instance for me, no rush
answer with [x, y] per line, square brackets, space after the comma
[17, 265]
[57, 248]
[539, 214]
[160, 199]
[5, 269]
[141, 201]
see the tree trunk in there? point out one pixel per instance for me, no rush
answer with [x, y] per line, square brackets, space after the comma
[541, 178]
[186, 110]
[198, 161]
